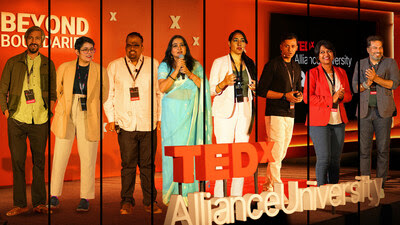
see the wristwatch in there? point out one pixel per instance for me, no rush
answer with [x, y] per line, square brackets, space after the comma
[284, 96]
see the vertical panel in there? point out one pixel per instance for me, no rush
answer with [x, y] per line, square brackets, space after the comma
[120, 19]
[16, 18]
[71, 187]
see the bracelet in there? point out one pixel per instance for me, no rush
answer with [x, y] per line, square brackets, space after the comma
[219, 86]
[174, 79]
[365, 85]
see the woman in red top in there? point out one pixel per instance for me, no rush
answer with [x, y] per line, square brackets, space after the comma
[327, 91]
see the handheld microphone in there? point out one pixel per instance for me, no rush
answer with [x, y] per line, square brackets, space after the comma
[182, 74]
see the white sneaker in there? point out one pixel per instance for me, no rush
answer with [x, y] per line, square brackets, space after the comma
[382, 194]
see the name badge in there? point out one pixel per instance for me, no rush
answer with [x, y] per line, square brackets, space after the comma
[372, 90]
[29, 96]
[134, 92]
[292, 105]
[335, 107]
[83, 103]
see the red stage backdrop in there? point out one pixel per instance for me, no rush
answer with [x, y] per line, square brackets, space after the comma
[71, 19]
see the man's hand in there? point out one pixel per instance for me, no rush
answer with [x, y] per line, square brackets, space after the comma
[291, 96]
[6, 113]
[371, 74]
[52, 103]
[158, 125]
[110, 126]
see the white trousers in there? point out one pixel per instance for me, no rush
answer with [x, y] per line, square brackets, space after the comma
[87, 151]
[279, 130]
[233, 129]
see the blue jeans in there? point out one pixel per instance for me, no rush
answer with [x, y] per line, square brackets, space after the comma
[381, 126]
[328, 144]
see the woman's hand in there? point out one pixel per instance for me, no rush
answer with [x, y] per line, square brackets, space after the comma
[338, 95]
[183, 69]
[252, 85]
[229, 80]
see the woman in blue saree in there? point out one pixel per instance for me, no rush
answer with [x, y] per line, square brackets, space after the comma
[186, 109]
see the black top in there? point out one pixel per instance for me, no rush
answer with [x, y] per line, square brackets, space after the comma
[275, 78]
[80, 83]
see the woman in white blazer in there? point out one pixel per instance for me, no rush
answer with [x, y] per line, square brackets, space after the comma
[232, 81]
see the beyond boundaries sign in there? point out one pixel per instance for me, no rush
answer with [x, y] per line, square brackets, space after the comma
[65, 30]
[241, 160]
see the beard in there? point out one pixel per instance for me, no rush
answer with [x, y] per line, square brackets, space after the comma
[377, 58]
[33, 48]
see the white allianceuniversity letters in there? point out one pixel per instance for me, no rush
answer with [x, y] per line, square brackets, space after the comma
[202, 210]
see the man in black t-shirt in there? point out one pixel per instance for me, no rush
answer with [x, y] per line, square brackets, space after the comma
[280, 83]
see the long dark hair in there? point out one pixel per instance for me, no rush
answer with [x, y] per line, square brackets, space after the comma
[247, 60]
[169, 59]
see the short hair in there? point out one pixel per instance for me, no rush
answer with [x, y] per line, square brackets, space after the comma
[374, 38]
[287, 36]
[82, 40]
[237, 32]
[327, 44]
[34, 28]
[132, 34]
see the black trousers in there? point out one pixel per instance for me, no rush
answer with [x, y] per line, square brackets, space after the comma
[37, 134]
[135, 148]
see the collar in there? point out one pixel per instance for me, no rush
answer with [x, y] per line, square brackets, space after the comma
[141, 58]
[370, 63]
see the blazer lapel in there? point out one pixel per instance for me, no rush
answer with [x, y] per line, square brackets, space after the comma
[230, 70]
[92, 77]
[323, 79]
[68, 81]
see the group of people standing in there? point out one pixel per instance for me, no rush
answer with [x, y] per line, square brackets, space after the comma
[133, 100]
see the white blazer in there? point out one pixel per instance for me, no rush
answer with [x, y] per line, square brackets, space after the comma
[224, 103]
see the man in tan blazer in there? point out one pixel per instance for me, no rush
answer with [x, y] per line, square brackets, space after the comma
[78, 114]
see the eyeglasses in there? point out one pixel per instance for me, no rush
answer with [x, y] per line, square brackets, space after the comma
[87, 50]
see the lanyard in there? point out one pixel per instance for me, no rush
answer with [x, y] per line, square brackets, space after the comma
[137, 71]
[291, 79]
[29, 72]
[333, 83]
[241, 67]
[81, 84]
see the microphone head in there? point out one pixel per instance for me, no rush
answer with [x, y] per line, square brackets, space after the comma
[181, 56]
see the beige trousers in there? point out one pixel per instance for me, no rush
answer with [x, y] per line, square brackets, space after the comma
[87, 150]
[279, 130]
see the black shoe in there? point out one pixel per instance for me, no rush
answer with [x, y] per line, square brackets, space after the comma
[54, 202]
[83, 205]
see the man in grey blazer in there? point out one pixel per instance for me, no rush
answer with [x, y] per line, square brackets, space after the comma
[379, 76]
